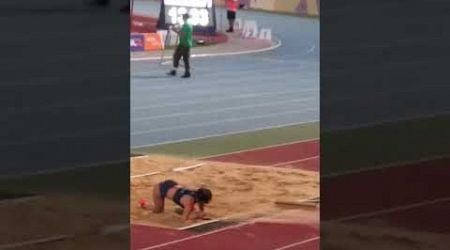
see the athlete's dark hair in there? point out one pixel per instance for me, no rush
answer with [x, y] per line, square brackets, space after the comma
[204, 195]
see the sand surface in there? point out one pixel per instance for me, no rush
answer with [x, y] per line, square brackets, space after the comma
[238, 190]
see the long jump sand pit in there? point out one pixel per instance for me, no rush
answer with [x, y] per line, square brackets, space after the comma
[238, 190]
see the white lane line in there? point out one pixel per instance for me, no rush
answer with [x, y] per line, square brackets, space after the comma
[276, 45]
[113, 229]
[224, 134]
[298, 243]
[217, 84]
[296, 161]
[81, 103]
[140, 78]
[390, 210]
[179, 169]
[215, 111]
[220, 98]
[63, 169]
[208, 94]
[420, 89]
[21, 200]
[259, 148]
[229, 120]
[34, 242]
[195, 236]
[384, 122]
[385, 166]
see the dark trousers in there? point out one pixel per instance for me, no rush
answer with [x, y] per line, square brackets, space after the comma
[184, 52]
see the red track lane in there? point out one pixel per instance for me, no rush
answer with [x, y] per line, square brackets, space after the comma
[144, 236]
[258, 236]
[385, 188]
[275, 155]
[429, 218]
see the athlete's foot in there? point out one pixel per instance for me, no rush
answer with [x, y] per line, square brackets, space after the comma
[172, 73]
[230, 30]
[186, 75]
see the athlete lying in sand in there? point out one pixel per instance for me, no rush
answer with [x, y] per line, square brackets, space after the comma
[182, 196]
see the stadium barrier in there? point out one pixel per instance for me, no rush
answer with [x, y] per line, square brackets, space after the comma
[146, 42]
[298, 7]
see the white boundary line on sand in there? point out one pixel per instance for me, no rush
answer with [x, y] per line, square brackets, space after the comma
[298, 243]
[296, 161]
[260, 148]
[34, 242]
[146, 174]
[277, 44]
[179, 169]
[389, 210]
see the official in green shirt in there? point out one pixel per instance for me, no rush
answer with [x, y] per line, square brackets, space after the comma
[184, 47]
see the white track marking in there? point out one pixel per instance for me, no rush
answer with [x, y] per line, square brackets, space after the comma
[385, 166]
[147, 174]
[20, 200]
[296, 161]
[303, 100]
[179, 169]
[112, 229]
[384, 122]
[195, 236]
[224, 134]
[188, 167]
[229, 120]
[277, 44]
[62, 170]
[219, 99]
[382, 93]
[34, 242]
[297, 243]
[390, 210]
[259, 148]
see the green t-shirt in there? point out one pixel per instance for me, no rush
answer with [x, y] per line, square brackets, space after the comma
[186, 39]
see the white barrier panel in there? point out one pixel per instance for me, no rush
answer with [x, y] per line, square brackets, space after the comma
[238, 24]
[250, 29]
[265, 34]
[172, 40]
